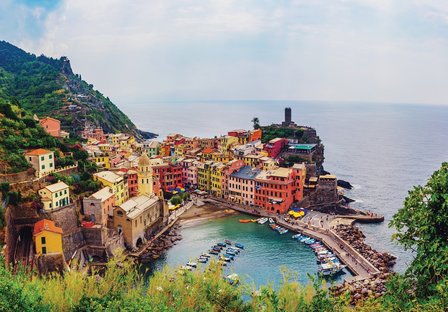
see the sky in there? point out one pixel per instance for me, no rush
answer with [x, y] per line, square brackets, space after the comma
[157, 50]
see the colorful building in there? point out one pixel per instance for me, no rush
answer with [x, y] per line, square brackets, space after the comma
[47, 237]
[102, 161]
[151, 148]
[132, 181]
[137, 216]
[275, 146]
[255, 135]
[144, 173]
[204, 175]
[99, 206]
[41, 160]
[115, 182]
[55, 196]
[241, 184]
[217, 179]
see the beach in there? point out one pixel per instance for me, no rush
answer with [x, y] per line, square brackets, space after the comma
[205, 212]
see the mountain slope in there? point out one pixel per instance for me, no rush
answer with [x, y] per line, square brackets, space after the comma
[48, 87]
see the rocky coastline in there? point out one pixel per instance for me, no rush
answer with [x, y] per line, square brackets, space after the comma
[162, 243]
[383, 261]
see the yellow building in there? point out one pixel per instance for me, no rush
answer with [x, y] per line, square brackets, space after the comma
[179, 150]
[102, 161]
[114, 138]
[47, 237]
[41, 160]
[105, 148]
[222, 157]
[251, 160]
[216, 177]
[227, 142]
[144, 174]
[204, 176]
[115, 182]
[55, 196]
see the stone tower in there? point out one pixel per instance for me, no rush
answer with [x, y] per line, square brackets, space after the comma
[287, 116]
[145, 184]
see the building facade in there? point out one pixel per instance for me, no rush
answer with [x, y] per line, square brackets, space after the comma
[41, 160]
[55, 196]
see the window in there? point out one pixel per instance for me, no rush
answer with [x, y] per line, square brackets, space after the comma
[51, 165]
[42, 158]
[43, 240]
[50, 156]
[43, 167]
[44, 250]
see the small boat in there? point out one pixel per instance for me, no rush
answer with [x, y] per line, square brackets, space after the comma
[185, 268]
[271, 220]
[217, 247]
[233, 250]
[214, 252]
[232, 279]
[222, 258]
[273, 226]
[331, 269]
[262, 220]
[296, 236]
[228, 242]
[283, 231]
[202, 260]
[309, 241]
[206, 255]
[253, 220]
[238, 245]
[230, 256]
[222, 263]
[221, 244]
[245, 220]
[192, 264]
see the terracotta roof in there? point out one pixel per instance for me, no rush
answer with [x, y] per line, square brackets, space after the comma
[49, 118]
[46, 225]
[38, 152]
[207, 150]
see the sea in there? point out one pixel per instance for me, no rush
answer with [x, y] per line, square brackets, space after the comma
[383, 150]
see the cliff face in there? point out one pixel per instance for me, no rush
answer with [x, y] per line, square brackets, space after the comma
[48, 87]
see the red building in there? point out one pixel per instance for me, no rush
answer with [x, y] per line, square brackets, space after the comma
[276, 190]
[275, 146]
[168, 175]
[132, 183]
[52, 126]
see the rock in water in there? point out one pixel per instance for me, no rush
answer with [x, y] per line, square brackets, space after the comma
[345, 184]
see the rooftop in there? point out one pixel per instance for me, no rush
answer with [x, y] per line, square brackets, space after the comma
[56, 187]
[38, 152]
[137, 205]
[46, 225]
[246, 172]
[108, 176]
[305, 147]
[102, 194]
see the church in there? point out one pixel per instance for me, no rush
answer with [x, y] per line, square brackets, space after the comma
[141, 216]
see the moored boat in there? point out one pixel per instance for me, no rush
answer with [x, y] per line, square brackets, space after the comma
[228, 242]
[262, 220]
[245, 220]
[192, 264]
[271, 220]
[232, 279]
[238, 245]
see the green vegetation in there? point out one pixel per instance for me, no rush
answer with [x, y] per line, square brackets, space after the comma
[256, 122]
[272, 132]
[47, 87]
[176, 200]
[422, 226]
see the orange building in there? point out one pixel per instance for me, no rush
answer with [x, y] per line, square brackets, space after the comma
[52, 126]
[255, 135]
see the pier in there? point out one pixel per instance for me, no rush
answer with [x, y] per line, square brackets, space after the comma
[357, 263]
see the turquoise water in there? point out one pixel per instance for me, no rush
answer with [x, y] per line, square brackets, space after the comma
[382, 149]
[266, 252]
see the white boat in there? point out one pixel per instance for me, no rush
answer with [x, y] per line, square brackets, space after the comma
[262, 220]
[232, 279]
[271, 220]
[192, 264]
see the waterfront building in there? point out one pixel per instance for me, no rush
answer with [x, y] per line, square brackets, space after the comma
[115, 182]
[55, 196]
[99, 206]
[241, 185]
[145, 182]
[41, 160]
[275, 146]
[51, 126]
[47, 237]
[275, 190]
[137, 216]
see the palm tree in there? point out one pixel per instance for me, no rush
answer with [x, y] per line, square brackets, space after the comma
[256, 123]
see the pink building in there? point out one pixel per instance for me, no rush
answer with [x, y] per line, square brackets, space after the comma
[99, 206]
[52, 126]
[241, 184]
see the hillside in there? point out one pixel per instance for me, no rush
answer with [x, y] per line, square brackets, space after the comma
[48, 87]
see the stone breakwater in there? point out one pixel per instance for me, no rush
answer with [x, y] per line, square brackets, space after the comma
[162, 243]
[360, 290]
[383, 261]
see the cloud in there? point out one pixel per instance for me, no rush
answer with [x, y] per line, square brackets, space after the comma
[369, 50]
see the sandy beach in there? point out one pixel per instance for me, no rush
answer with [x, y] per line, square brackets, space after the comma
[196, 214]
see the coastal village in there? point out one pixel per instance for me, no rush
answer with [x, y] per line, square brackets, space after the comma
[145, 186]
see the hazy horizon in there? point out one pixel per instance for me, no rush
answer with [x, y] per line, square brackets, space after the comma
[374, 51]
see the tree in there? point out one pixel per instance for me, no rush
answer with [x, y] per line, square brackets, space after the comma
[256, 123]
[176, 200]
[422, 226]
